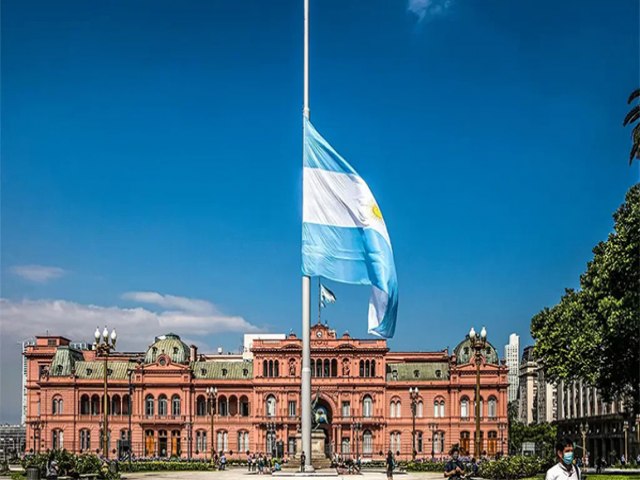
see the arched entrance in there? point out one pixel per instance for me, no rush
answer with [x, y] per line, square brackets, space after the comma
[322, 420]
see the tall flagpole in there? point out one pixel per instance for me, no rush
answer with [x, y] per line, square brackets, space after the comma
[305, 394]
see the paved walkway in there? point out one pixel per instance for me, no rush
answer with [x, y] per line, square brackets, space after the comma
[242, 474]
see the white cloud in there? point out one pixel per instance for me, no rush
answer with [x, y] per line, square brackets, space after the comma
[37, 273]
[192, 305]
[137, 326]
[428, 8]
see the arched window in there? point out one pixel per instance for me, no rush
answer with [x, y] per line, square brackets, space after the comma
[85, 405]
[464, 407]
[392, 409]
[362, 368]
[492, 407]
[223, 441]
[85, 439]
[419, 442]
[265, 368]
[398, 409]
[270, 368]
[271, 406]
[223, 406]
[201, 406]
[367, 442]
[373, 368]
[319, 368]
[419, 409]
[126, 399]
[436, 408]
[163, 405]
[334, 368]
[244, 406]
[367, 406]
[233, 405]
[201, 441]
[149, 405]
[313, 368]
[115, 405]
[175, 405]
[395, 443]
[367, 368]
[326, 372]
[276, 368]
[95, 405]
[56, 407]
[57, 439]
[438, 442]
[243, 441]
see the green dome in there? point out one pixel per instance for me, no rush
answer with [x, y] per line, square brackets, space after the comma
[171, 345]
[464, 353]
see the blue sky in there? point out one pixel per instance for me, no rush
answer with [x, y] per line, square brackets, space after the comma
[151, 160]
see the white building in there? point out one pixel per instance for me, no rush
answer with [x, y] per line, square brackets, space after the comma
[512, 357]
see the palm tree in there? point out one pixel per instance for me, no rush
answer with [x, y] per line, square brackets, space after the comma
[634, 116]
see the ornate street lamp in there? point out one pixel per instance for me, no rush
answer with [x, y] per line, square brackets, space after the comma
[104, 344]
[502, 426]
[434, 428]
[212, 394]
[584, 429]
[414, 394]
[478, 343]
[36, 425]
[357, 426]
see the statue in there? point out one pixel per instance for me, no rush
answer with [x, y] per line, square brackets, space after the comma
[292, 368]
[319, 413]
[345, 367]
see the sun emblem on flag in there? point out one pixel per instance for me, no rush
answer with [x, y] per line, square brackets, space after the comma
[376, 211]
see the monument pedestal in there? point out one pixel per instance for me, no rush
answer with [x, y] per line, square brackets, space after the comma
[319, 457]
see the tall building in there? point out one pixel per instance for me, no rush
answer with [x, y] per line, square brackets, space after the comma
[512, 357]
[537, 398]
[159, 399]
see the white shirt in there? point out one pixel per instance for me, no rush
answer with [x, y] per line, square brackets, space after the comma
[559, 472]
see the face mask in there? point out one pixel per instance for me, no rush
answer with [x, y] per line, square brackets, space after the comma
[567, 458]
[455, 456]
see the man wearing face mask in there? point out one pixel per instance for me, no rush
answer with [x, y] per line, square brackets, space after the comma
[564, 469]
[454, 469]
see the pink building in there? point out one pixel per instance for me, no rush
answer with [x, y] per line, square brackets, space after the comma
[160, 397]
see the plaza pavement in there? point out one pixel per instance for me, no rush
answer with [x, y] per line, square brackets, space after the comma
[242, 474]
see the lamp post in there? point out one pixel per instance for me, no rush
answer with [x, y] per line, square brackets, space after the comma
[357, 426]
[414, 394]
[584, 429]
[625, 428]
[212, 394]
[104, 344]
[502, 426]
[36, 425]
[478, 343]
[434, 428]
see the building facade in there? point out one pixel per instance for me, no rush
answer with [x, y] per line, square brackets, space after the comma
[159, 399]
[537, 398]
[512, 358]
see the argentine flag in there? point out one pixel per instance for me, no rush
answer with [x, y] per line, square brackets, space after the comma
[344, 237]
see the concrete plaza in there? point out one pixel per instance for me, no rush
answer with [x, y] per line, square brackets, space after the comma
[242, 474]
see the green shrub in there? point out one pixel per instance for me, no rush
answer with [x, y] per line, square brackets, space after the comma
[509, 468]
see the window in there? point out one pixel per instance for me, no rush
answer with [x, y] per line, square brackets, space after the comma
[419, 409]
[438, 373]
[419, 442]
[126, 399]
[243, 441]
[492, 443]
[492, 410]
[481, 407]
[85, 405]
[56, 408]
[223, 441]
[223, 406]
[95, 405]
[395, 443]
[334, 368]
[201, 441]
[465, 442]
[57, 439]
[464, 407]
[116, 405]
[367, 442]
[201, 406]
[271, 406]
[345, 446]
[438, 408]
[292, 408]
[244, 406]
[367, 406]
[175, 405]
[224, 372]
[438, 442]
[394, 410]
[163, 405]
[148, 405]
[346, 409]
[326, 371]
[416, 374]
[85, 439]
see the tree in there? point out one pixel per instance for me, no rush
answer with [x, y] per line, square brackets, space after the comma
[593, 334]
[634, 116]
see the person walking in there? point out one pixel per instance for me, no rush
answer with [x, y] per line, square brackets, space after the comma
[303, 459]
[454, 469]
[51, 469]
[564, 469]
[390, 463]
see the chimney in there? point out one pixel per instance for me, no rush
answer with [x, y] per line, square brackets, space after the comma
[193, 353]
